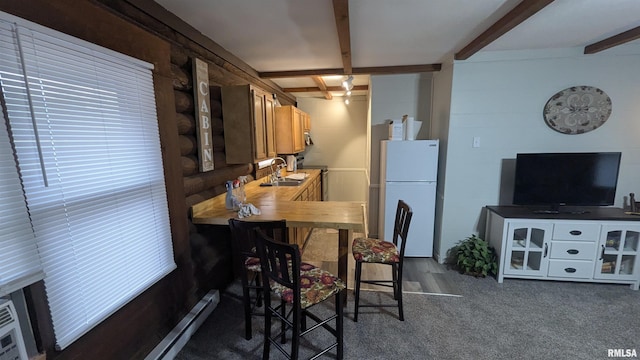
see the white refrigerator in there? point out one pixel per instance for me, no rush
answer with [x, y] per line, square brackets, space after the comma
[409, 171]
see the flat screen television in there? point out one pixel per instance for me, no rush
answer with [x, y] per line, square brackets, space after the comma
[550, 180]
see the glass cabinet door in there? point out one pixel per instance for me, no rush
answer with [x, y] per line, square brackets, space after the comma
[527, 249]
[619, 251]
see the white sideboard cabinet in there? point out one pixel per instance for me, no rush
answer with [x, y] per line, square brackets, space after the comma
[600, 245]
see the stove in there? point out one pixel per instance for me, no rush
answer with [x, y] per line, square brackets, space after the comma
[324, 173]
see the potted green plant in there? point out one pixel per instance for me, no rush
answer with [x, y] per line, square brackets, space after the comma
[474, 256]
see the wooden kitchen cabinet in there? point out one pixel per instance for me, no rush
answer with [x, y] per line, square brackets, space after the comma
[270, 124]
[310, 192]
[306, 122]
[289, 130]
[248, 114]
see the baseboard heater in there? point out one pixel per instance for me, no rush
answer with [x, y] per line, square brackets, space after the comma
[180, 335]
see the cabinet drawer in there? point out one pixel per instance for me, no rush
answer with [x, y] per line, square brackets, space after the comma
[573, 250]
[575, 231]
[571, 269]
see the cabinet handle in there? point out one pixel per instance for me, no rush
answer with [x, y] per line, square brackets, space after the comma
[602, 253]
[573, 251]
[570, 270]
[575, 232]
[546, 249]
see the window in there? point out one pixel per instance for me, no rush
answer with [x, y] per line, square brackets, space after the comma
[85, 131]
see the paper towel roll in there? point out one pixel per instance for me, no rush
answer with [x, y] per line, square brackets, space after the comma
[291, 163]
[412, 127]
[396, 130]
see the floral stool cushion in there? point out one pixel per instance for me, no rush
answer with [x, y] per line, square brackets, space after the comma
[252, 264]
[375, 251]
[316, 285]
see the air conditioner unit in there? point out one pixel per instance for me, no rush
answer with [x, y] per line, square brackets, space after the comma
[11, 342]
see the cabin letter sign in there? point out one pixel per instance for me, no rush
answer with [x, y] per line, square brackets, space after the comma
[203, 114]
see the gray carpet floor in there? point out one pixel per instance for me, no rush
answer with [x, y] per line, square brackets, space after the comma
[519, 319]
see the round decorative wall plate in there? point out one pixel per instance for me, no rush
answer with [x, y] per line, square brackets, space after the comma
[577, 110]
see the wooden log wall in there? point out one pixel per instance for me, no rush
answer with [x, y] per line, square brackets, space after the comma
[199, 186]
[210, 247]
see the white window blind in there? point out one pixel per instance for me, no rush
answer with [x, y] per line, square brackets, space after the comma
[19, 261]
[86, 136]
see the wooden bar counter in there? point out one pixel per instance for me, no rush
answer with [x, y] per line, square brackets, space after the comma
[276, 202]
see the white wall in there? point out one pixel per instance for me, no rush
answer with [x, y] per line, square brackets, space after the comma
[499, 97]
[339, 133]
[393, 96]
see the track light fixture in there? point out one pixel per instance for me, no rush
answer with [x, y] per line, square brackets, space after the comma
[348, 83]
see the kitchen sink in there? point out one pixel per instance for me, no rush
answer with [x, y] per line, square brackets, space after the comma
[286, 182]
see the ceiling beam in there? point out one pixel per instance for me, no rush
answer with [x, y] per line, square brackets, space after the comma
[612, 41]
[377, 70]
[322, 86]
[515, 17]
[341, 13]
[329, 88]
[300, 73]
[400, 69]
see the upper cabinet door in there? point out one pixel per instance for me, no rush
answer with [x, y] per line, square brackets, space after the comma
[289, 130]
[248, 118]
[306, 122]
[260, 124]
[270, 125]
[298, 132]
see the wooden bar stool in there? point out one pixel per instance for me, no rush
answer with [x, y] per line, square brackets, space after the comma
[301, 286]
[367, 250]
[247, 262]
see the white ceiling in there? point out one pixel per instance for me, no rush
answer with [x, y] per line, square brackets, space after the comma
[285, 35]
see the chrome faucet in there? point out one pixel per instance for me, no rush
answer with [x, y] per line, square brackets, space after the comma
[273, 177]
